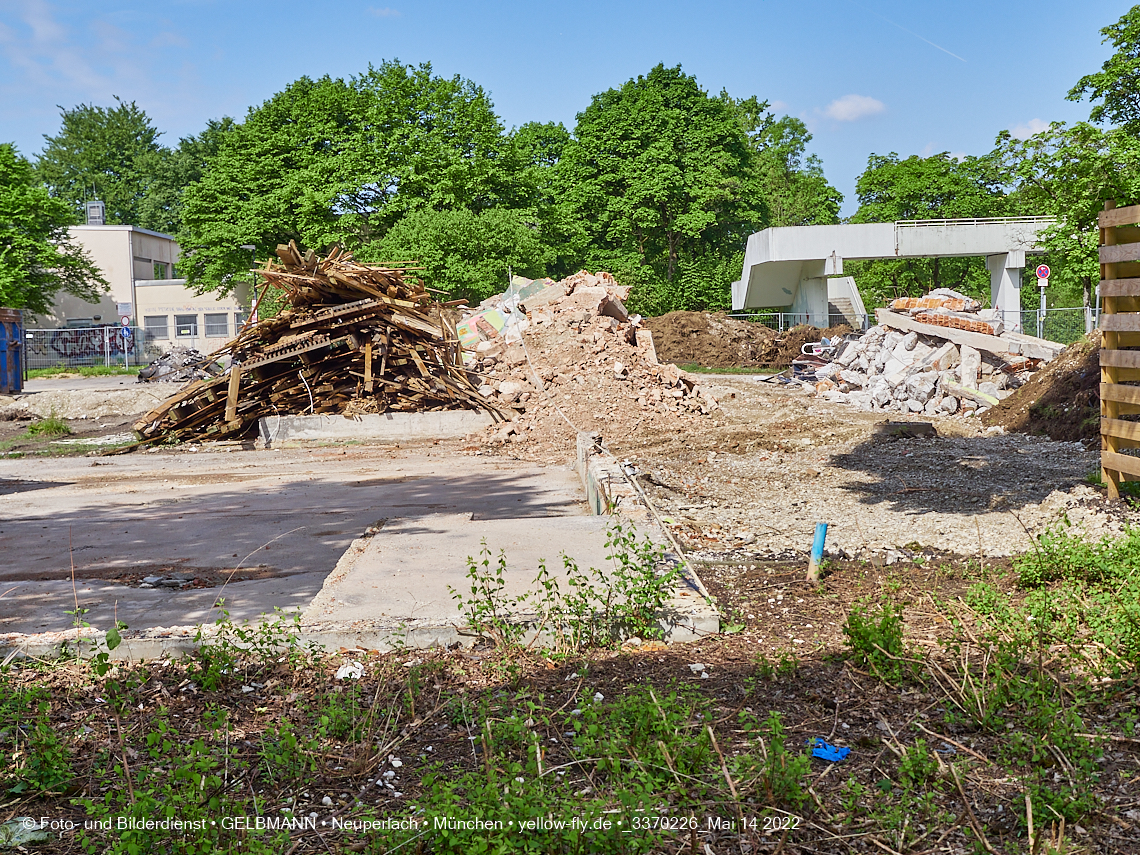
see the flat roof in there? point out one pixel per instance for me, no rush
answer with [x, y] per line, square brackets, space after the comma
[118, 228]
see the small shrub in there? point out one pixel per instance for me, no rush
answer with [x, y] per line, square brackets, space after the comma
[876, 639]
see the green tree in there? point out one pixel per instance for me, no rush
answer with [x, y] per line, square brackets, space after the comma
[330, 161]
[1068, 172]
[169, 173]
[658, 172]
[110, 154]
[37, 259]
[1117, 85]
[792, 185]
[926, 188]
[463, 252]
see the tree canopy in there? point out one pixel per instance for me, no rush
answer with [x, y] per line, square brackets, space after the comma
[331, 161]
[658, 182]
[99, 153]
[658, 171]
[37, 259]
[1117, 85]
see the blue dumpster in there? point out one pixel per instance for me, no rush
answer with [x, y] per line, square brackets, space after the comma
[11, 347]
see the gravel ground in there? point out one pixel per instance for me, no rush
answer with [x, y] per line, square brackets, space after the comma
[760, 472]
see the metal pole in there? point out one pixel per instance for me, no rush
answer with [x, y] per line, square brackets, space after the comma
[1041, 314]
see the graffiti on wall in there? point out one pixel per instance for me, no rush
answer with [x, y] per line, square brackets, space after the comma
[83, 343]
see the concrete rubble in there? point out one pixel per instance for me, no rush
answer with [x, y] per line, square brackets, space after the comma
[180, 365]
[935, 355]
[544, 342]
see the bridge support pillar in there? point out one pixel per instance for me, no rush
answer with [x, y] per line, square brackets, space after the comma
[1005, 286]
[811, 300]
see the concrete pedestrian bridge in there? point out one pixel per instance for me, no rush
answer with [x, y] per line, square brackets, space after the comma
[802, 266]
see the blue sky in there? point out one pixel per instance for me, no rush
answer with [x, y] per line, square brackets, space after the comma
[866, 75]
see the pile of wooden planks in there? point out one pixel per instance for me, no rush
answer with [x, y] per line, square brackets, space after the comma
[355, 339]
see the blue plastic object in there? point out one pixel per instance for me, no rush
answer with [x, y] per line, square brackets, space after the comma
[826, 751]
[11, 351]
[820, 539]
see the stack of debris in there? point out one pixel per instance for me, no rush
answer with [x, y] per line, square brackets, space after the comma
[568, 356]
[356, 339]
[935, 355]
[180, 365]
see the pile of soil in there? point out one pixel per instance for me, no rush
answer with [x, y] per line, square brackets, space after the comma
[713, 340]
[1062, 401]
[784, 348]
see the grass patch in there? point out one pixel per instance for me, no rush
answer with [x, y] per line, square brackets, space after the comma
[49, 427]
[81, 371]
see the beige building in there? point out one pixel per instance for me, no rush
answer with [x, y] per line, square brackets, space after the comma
[141, 267]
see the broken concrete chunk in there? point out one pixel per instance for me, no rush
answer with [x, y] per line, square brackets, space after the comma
[909, 341]
[971, 362]
[949, 405]
[970, 396]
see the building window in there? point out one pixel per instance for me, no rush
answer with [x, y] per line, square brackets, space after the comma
[160, 270]
[186, 326]
[217, 324]
[156, 326]
[239, 321]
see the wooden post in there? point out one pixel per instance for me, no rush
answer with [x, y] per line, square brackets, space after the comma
[368, 366]
[232, 397]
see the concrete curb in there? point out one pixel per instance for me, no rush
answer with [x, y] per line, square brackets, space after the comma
[438, 424]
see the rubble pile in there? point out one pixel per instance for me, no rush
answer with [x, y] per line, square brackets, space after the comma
[936, 355]
[355, 339]
[568, 353]
[180, 365]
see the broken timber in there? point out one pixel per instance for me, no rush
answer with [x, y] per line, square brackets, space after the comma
[317, 356]
[1008, 343]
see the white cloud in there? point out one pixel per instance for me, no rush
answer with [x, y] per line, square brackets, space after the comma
[1027, 129]
[383, 13]
[851, 108]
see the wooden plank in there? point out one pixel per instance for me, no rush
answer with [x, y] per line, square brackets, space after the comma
[1125, 322]
[1120, 428]
[1124, 394]
[1119, 217]
[1123, 463]
[1120, 288]
[232, 395]
[1120, 358]
[1118, 253]
[368, 366]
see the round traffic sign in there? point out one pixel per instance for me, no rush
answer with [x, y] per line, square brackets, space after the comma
[1043, 271]
[126, 319]
[126, 333]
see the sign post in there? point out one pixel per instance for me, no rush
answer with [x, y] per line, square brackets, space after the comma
[126, 334]
[1042, 283]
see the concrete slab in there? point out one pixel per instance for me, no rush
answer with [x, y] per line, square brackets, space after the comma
[293, 513]
[442, 424]
[405, 571]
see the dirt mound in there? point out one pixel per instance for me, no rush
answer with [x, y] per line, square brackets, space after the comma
[784, 348]
[708, 339]
[1062, 401]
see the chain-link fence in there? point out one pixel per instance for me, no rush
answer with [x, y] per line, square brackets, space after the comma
[85, 346]
[1060, 325]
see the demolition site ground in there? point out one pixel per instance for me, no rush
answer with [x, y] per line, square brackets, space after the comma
[972, 644]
